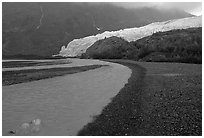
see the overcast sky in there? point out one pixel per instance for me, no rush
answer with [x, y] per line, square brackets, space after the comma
[191, 7]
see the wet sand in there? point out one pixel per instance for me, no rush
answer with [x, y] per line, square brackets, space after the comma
[64, 104]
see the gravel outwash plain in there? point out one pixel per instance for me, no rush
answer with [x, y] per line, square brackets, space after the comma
[160, 99]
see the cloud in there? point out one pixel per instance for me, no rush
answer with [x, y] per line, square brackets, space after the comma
[191, 7]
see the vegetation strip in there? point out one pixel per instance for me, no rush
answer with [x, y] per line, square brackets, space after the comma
[151, 105]
[21, 76]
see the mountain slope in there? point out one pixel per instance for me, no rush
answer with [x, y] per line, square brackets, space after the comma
[79, 46]
[42, 28]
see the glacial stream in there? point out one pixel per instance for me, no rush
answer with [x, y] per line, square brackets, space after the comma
[62, 104]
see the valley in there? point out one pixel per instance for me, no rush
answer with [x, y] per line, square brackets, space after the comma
[101, 69]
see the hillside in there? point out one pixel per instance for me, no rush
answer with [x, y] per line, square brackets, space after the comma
[183, 45]
[109, 48]
[173, 46]
[79, 46]
[42, 28]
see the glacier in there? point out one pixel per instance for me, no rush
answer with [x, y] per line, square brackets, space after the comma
[79, 46]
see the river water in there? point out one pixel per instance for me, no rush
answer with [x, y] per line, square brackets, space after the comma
[63, 104]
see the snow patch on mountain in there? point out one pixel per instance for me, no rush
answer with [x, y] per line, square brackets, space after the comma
[79, 46]
[41, 18]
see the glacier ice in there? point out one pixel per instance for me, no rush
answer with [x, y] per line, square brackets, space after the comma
[79, 46]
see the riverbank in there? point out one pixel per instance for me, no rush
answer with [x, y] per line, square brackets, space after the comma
[159, 99]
